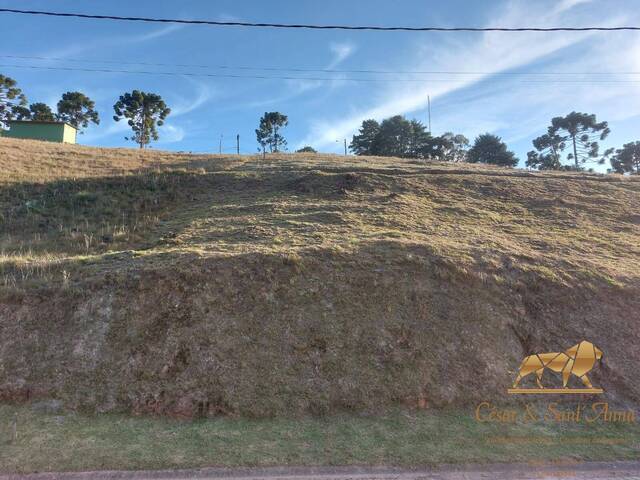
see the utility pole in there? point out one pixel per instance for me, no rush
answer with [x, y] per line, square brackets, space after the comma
[220, 147]
[238, 143]
[429, 107]
[345, 146]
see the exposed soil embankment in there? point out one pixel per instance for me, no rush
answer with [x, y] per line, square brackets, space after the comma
[267, 335]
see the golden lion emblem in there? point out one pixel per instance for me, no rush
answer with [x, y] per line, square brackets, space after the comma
[578, 360]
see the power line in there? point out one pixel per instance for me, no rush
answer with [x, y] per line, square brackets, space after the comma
[203, 74]
[318, 27]
[321, 79]
[274, 77]
[306, 70]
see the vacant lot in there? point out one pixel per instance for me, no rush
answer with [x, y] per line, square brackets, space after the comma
[190, 286]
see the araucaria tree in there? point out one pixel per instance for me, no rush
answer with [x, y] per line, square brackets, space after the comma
[41, 112]
[548, 151]
[491, 149]
[627, 159]
[580, 133]
[145, 112]
[268, 133]
[78, 110]
[12, 101]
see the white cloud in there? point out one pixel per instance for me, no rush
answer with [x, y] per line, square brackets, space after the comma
[112, 41]
[168, 133]
[162, 32]
[565, 5]
[295, 88]
[183, 106]
[341, 51]
[226, 17]
[94, 134]
[171, 133]
[488, 54]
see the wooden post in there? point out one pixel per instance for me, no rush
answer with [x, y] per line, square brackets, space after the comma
[238, 143]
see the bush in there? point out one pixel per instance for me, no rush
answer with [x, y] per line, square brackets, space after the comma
[307, 149]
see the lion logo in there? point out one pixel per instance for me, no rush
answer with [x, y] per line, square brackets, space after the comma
[579, 360]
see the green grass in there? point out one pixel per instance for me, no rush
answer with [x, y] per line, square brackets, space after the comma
[76, 442]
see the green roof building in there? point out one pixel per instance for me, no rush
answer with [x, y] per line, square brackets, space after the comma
[59, 132]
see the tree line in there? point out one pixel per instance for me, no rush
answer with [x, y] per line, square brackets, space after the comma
[399, 137]
[570, 143]
[143, 111]
[74, 108]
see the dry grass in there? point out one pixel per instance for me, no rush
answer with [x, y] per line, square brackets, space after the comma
[72, 201]
[38, 162]
[207, 285]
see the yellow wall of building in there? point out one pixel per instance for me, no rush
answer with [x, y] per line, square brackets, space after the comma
[70, 134]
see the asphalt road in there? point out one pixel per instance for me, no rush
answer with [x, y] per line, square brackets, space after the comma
[561, 470]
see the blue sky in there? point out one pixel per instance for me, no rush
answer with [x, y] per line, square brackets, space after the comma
[323, 112]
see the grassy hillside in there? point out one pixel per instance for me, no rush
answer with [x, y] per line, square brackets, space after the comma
[182, 284]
